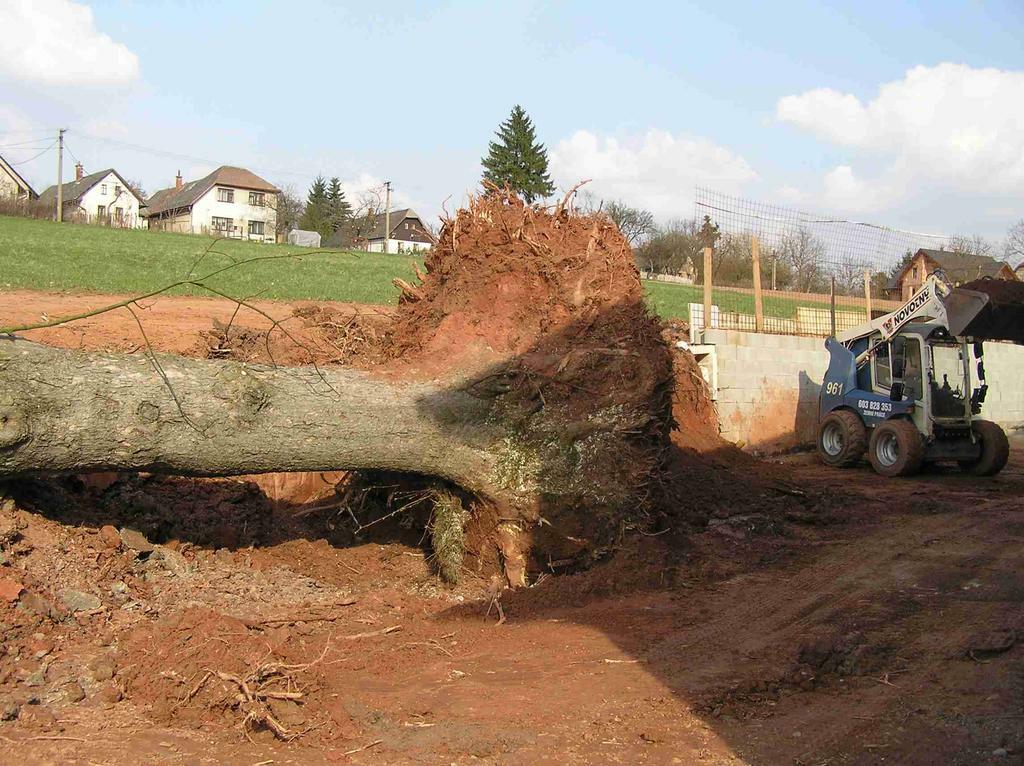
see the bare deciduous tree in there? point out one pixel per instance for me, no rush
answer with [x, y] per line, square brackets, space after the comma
[805, 255]
[288, 208]
[636, 225]
[1013, 250]
[970, 244]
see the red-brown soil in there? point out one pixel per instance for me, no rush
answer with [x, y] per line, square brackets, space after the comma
[820, 616]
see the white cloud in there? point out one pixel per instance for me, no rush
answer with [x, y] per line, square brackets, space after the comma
[657, 171]
[948, 128]
[55, 42]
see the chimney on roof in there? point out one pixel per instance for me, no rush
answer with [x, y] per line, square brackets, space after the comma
[178, 183]
[79, 171]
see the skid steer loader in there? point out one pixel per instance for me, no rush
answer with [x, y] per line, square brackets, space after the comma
[901, 388]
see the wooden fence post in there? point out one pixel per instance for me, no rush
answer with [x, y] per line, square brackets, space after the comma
[707, 288]
[755, 255]
[867, 291]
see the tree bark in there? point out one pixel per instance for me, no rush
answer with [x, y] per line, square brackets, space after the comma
[70, 411]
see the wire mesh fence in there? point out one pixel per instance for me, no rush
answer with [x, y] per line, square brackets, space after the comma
[779, 270]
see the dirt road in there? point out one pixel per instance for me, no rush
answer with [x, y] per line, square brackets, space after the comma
[879, 624]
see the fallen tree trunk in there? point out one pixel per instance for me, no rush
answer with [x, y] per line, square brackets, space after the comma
[525, 370]
[79, 412]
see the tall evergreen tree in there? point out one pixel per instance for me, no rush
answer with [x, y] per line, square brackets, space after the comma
[517, 159]
[338, 209]
[317, 211]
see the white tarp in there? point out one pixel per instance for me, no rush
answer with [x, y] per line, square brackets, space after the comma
[304, 238]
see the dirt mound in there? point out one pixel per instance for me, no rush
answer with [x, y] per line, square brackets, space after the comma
[1001, 290]
[506, 277]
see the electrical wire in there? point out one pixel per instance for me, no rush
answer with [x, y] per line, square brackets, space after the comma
[35, 141]
[68, 150]
[34, 156]
[183, 157]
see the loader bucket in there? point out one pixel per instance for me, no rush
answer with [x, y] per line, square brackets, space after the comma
[987, 309]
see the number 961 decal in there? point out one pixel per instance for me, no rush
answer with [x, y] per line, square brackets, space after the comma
[833, 388]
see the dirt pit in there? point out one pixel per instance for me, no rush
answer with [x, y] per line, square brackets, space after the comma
[792, 614]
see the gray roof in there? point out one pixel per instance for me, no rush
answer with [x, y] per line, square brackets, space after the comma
[73, 190]
[959, 267]
[18, 179]
[397, 216]
[962, 267]
[185, 197]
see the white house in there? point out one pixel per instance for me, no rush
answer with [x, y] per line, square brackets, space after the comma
[103, 197]
[407, 235]
[229, 202]
[13, 185]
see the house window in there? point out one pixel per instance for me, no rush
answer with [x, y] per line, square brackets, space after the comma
[257, 199]
[103, 189]
[914, 273]
[117, 190]
[101, 211]
[256, 228]
[119, 214]
[225, 195]
[222, 224]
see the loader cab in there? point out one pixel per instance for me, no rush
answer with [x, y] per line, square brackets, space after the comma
[924, 365]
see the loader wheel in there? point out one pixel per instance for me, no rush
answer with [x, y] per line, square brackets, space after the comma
[995, 449]
[842, 439]
[896, 448]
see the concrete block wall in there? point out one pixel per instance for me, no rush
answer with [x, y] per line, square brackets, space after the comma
[1004, 373]
[768, 387]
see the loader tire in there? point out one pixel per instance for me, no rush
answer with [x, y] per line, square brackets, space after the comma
[896, 448]
[842, 439]
[995, 449]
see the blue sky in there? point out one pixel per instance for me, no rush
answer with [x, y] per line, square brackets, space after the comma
[908, 114]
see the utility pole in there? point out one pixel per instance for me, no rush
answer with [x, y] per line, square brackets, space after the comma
[60, 175]
[387, 214]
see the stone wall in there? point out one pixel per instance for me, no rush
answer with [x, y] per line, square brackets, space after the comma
[767, 386]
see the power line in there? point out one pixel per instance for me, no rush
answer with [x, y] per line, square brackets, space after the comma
[35, 156]
[68, 150]
[48, 131]
[27, 144]
[184, 157]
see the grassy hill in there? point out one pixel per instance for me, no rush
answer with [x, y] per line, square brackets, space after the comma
[43, 255]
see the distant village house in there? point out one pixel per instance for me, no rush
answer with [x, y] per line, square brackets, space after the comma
[229, 202]
[408, 235]
[13, 185]
[104, 198]
[959, 267]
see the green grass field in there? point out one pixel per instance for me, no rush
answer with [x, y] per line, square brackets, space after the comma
[43, 255]
[672, 301]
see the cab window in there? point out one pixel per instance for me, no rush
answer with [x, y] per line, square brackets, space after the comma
[912, 373]
[883, 367]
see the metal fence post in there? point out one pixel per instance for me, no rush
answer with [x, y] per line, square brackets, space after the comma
[707, 288]
[755, 256]
[867, 292]
[832, 302]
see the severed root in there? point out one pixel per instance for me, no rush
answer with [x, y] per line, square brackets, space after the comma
[258, 687]
[510, 545]
[409, 292]
[494, 590]
[446, 536]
